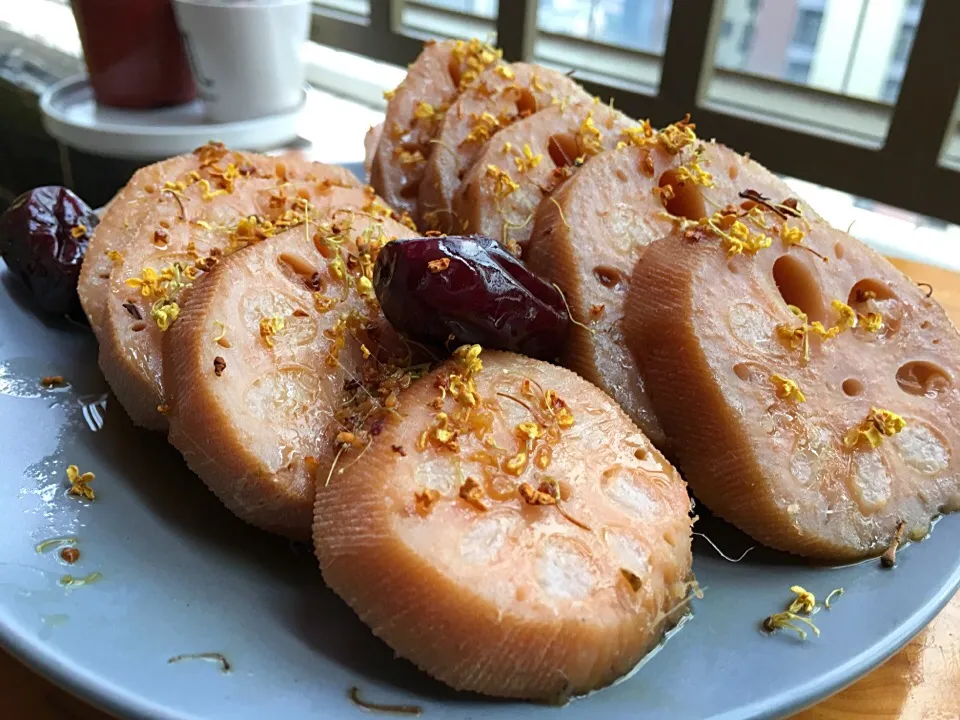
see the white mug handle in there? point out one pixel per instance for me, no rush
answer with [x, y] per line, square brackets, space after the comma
[204, 83]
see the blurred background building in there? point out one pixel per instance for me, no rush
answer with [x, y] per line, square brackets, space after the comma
[852, 47]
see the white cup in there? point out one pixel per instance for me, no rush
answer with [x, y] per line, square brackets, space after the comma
[245, 54]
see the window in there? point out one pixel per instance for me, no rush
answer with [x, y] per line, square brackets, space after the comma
[904, 40]
[746, 38]
[779, 39]
[797, 72]
[808, 28]
[900, 55]
[794, 81]
[891, 88]
[638, 24]
[480, 8]
[350, 7]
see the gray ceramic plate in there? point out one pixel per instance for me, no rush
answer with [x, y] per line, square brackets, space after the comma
[181, 575]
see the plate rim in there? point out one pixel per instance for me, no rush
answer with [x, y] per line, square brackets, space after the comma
[90, 688]
[840, 677]
[101, 693]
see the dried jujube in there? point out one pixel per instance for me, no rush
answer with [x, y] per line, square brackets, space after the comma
[456, 290]
[43, 238]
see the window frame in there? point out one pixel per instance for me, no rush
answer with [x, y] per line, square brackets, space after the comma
[804, 13]
[898, 159]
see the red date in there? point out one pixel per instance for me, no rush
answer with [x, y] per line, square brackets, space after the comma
[43, 237]
[455, 290]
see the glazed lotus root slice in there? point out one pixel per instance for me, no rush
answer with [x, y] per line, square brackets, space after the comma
[587, 239]
[525, 162]
[714, 176]
[461, 557]
[415, 111]
[254, 370]
[370, 142]
[120, 225]
[502, 95]
[812, 436]
[189, 231]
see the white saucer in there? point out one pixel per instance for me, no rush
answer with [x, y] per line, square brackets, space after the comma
[72, 116]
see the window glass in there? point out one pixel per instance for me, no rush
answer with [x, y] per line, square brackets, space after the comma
[353, 7]
[852, 47]
[635, 24]
[480, 8]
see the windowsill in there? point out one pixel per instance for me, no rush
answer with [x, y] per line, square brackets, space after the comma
[347, 97]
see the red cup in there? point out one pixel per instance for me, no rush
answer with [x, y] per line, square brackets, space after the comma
[134, 53]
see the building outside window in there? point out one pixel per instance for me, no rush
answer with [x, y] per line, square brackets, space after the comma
[637, 24]
[808, 27]
[797, 72]
[852, 47]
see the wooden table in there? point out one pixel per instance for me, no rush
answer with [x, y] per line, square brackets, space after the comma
[922, 681]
